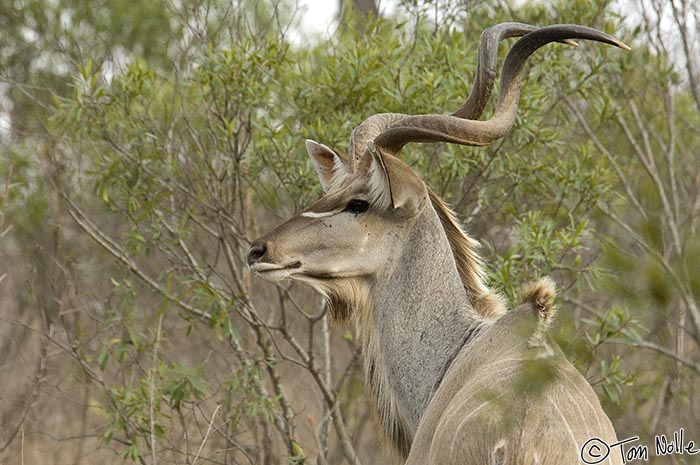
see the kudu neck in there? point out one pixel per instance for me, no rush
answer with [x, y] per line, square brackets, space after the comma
[421, 316]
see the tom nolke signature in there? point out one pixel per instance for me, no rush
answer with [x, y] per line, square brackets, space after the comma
[595, 450]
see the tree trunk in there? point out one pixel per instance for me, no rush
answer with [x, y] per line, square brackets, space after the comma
[355, 13]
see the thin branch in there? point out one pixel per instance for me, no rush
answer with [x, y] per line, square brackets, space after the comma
[679, 18]
[113, 249]
[206, 436]
[611, 159]
[685, 294]
[326, 373]
[331, 401]
[653, 171]
[34, 390]
[694, 366]
[152, 387]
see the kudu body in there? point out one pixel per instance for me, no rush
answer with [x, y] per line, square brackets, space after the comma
[455, 379]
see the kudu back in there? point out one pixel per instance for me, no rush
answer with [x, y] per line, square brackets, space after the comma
[455, 378]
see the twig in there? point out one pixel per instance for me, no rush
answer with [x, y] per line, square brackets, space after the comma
[611, 159]
[660, 349]
[326, 367]
[33, 391]
[653, 172]
[685, 294]
[331, 400]
[660, 402]
[152, 388]
[110, 246]
[206, 436]
[688, 52]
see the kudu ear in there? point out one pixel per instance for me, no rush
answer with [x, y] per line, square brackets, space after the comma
[393, 183]
[329, 166]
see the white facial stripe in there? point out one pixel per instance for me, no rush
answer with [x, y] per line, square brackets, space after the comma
[320, 214]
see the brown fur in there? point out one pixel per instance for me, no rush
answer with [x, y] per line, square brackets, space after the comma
[486, 302]
[481, 414]
[345, 297]
[540, 295]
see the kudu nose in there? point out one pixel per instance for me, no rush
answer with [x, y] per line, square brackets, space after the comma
[255, 253]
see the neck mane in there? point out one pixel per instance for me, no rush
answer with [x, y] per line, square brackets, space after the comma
[412, 320]
[469, 265]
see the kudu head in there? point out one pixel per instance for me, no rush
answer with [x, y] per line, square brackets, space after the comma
[373, 199]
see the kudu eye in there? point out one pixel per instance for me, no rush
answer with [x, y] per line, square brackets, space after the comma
[357, 206]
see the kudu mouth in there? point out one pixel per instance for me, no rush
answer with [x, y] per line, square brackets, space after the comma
[274, 272]
[263, 267]
[259, 262]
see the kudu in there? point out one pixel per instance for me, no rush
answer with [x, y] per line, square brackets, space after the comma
[451, 373]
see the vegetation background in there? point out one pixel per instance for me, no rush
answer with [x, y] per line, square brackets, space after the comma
[145, 144]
